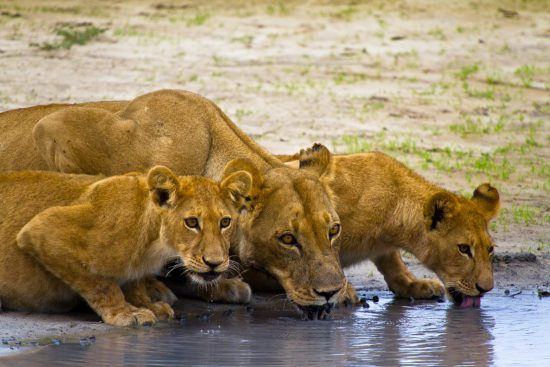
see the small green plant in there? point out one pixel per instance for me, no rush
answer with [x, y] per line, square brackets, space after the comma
[526, 74]
[72, 35]
[488, 93]
[198, 19]
[245, 40]
[240, 113]
[437, 33]
[349, 78]
[466, 71]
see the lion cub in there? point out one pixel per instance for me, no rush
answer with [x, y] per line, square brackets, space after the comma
[64, 236]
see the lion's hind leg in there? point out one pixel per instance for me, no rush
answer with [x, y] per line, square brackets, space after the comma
[49, 238]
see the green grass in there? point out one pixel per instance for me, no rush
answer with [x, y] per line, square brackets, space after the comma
[446, 159]
[472, 126]
[347, 14]
[524, 215]
[72, 35]
[488, 93]
[278, 9]
[348, 78]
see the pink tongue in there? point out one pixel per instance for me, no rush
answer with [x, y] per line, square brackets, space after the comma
[469, 301]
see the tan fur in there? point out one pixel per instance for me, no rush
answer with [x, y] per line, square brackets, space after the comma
[64, 236]
[191, 135]
[385, 207]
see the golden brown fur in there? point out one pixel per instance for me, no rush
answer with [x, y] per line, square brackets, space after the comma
[63, 237]
[385, 207]
[191, 135]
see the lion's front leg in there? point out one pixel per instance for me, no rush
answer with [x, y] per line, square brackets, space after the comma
[158, 291]
[402, 282]
[136, 293]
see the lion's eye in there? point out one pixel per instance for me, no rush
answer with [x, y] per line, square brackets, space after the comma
[334, 230]
[225, 222]
[465, 249]
[192, 222]
[491, 249]
[289, 239]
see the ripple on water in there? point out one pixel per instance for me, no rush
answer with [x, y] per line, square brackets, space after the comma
[505, 331]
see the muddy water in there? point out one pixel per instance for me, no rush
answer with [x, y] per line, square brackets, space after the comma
[504, 331]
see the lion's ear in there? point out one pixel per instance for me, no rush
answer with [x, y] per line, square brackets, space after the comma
[237, 165]
[439, 208]
[487, 199]
[164, 186]
[236, 187]
[316, 159]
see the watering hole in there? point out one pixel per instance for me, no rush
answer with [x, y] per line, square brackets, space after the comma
[392, 332]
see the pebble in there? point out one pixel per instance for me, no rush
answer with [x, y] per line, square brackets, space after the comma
[375, 298]
[56, 342]
[506, 291]
[249, 309]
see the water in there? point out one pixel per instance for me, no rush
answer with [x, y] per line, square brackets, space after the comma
[504, 331]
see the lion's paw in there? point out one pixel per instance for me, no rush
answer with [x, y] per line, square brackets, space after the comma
[231, 291]
[426, 289]
[131, 317]
[350, 296]
[162, 310]
[160, 292]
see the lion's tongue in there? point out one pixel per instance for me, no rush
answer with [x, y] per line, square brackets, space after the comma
[471, 301]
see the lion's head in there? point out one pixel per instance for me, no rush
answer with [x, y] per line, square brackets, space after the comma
[461, 248]
[198, 218]
[289, 228]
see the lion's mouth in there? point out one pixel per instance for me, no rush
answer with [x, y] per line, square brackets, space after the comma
[462, 300]
[315, 312]
[206, 277]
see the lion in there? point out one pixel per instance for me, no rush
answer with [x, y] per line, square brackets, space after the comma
[64, 237]
[288, 226]
[385, 207]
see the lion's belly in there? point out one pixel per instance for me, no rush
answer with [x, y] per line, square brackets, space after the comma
[357, 249]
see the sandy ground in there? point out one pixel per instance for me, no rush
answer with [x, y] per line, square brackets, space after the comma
[457, 90]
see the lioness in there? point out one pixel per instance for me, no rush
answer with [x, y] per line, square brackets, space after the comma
[64, 236]
[289, 225]
[384, 207]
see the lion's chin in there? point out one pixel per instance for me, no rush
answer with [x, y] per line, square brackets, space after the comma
[462, 300]
[204, 278]
[315, 312]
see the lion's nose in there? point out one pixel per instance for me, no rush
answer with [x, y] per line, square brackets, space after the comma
[483, 290]
[213, 263]
[327, 294]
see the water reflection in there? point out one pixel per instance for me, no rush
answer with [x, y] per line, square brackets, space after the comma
[390, 333]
